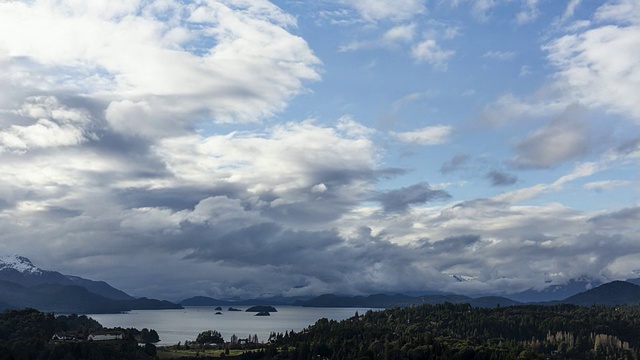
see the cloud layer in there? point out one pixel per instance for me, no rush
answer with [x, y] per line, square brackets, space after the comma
[207, 146]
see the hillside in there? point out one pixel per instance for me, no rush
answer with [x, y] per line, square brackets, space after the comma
[399, 300]
[459, 331]
[613, 293]
[24, 285]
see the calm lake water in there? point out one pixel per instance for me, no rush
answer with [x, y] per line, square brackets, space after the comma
[175, 326]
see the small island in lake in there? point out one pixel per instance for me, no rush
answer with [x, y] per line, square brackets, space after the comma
[261, 308]
[218, 313]
[218, 308]
[262, 313]
[233, 309]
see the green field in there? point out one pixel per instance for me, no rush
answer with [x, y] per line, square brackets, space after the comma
[167, 353]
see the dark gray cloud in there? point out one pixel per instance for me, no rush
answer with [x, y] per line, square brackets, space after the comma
[620, 220]
[628, 147]
[175, 198]
[4, 204]
[565, 138]
[316, 258]
[56, 212]
[399, 200]
[453, 244]
[499, 178]
[456, 163]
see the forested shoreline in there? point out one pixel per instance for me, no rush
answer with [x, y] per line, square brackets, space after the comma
[458, 331]
[442, 331]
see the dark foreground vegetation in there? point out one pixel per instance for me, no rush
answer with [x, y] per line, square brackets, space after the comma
[458, 331]
[444, 331]
[29, 334]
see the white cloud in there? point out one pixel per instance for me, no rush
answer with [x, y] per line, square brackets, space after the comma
[500, 55]
[430, 135]
[350, 127]
[590, 74]
[413, 97]
[284, 162]
[606, 184]
[44, 133]
[572, 5]
[400, 33]
[529, 13]
[319, 188]
[511, 247]
[50, 125]
[480, 8]
[234, 66]
[625, 11]
[430, 52]
[525, 70]
[374, 10]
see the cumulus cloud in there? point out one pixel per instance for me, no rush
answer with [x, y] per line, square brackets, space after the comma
[402, 33]
[586, 69]
[430, 52]
[247, 67]
[107, 145]
[49, 124]
[517, 246]
[209, 198]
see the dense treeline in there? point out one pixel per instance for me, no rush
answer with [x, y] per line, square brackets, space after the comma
[26, 335]
[445, 331]
[458, 331]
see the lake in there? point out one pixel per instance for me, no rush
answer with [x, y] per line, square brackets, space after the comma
[175, 326]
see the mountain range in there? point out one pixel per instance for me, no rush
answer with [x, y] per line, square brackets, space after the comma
[23, 284]
[612, 293]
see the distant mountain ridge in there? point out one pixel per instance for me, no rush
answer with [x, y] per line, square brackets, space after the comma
[209, 301]
[400, 300]
[23, 284]
[555, 292]
[609, 294]
[613, 293]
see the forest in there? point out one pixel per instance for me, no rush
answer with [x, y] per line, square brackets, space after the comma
[27, 335]
[458, 331]
[442, 331]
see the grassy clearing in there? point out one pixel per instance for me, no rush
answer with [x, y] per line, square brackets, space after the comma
[166, 353]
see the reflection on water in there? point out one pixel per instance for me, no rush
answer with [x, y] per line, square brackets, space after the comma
[175, 326]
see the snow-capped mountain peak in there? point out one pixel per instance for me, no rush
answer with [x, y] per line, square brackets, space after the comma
[18, 263]
[463, 278]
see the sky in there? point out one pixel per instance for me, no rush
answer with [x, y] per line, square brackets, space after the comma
[247, 148]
